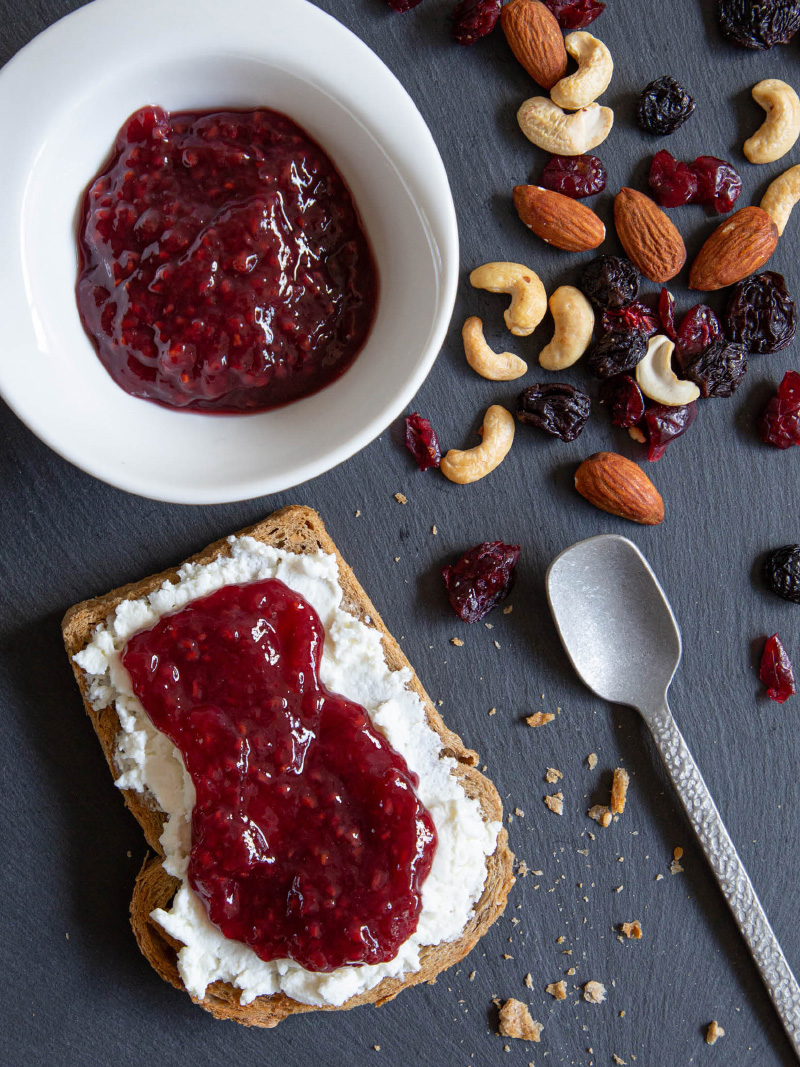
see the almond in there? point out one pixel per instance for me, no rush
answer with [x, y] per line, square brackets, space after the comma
[739, 245]
[650, 239]
[557, 219]
[535, 38]
[615, 484]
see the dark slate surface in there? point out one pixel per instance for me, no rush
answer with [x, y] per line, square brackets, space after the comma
[77, 990]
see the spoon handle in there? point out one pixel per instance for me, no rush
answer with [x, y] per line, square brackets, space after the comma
[734, 880]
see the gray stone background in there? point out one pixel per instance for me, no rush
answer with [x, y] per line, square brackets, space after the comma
[77, 990]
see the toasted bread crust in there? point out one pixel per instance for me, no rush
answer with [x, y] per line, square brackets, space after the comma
[295, 529]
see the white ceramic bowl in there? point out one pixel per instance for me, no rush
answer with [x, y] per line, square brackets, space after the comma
[63, 99]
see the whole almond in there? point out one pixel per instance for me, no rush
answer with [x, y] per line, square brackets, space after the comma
[557, 219]
[615, 484]
[535, 38]
[650, 239]
[739, 245]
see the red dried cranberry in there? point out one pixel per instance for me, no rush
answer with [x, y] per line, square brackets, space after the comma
[780, 423]
[422, 442]
[624, 400]
[666, 313]
[718, 183]
[473, 19]
[776, 671]
[698, 328]
[673, 183]
[402, 5]
[662, 424]
[575, 14]
[556, 408]
[636, 316]
[575, 176]
[717, 370]
[480, 579]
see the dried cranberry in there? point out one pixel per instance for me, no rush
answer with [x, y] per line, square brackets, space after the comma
[575, 176]
[575, 14]
[759, 23]
[624, 400]
[402, 5]
[698, 328]
[473, 19]
[776, 671]
[718, 369]
[662, 424]
[422, 442]
[610, 282]
[718, 183]
[556, 408]
[673, 183]
[779, 425]
[480, 579]
[666, 313]
[616, 352]
[761, 314]
[663, 106]
[782, 572]
[635, 316]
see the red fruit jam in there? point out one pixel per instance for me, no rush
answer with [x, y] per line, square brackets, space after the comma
[308, 838]
[223, 265]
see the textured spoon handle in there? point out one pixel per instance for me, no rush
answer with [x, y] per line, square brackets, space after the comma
[729, 869]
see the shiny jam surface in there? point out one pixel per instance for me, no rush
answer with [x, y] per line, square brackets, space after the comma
[223, 265]
[308, 838]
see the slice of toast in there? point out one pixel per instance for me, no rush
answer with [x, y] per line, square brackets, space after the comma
[295, 529]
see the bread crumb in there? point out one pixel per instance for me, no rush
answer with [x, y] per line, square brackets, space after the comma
[357, 514]
[594, 992]
[632, 930]
[507, 957]
[552, 775]
[659, 877]
[456, 641]
[618, 1059]
[557, 990]
[619, 790]
[555, 803]
[714, 1032]
[377, 1048]
[66, 936]
[600, 814]
[675, 866]
[637, 435]
[591, 759]
[528, 980]
[519, 813]
[539, 718]
[522, 868]
[472, 975]
[400, 498]
[571, 971]
[560, 940]
[397, 559]
[516, 1021]
[496, 644]
[508, 610]
[434, 531]
[492, 711]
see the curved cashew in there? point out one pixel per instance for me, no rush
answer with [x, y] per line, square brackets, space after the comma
[496, 366]
[658, 381]
[780, 128]
[562, 134]
[476, 463]
[591, 79]
[574, 319]
[781, 196]
[528, 298]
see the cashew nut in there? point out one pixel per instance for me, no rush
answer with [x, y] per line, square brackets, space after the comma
[560, 133]
[574, 320]
[591, 79]
[781, 196]
[656, 378]
[476, 463]
[496, 366]
[528, 298]
[780, 128]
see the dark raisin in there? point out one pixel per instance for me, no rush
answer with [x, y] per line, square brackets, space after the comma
[718, 369]
[402, 5]
[610, 282]
[480, 579]
[575, 14]
[616, 352]
[662, 424]
[779, 425]
[624, 400]
[575, 176]
[776, 671]
[635, 316]
[782, 572]
[666, 313]
[556, 408]
[422, 442]
[473, 19]
[718, 183]
[698, 328]
[759, 23]
[663, 106]
[761, 314]
[673, 183]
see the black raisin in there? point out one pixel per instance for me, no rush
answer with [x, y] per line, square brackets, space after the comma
[782, 572]
[616, 352]
[663, 106]
[718, 369]
[610, 282]
[759, 23]
[760, 314]
[556, 408]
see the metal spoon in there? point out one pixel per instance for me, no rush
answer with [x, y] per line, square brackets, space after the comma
[621, 636]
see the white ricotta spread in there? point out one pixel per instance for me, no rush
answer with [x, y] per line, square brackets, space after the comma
[352, 665]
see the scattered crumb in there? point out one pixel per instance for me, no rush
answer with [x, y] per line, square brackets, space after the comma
[618, 1059]
[659, 877]
[571, 971]
[637, 435]
[519, 813]
[560, 940]
[528, 979]
[434, 531]
[492, 711]
[472, 975]
[377, 1048]
[508, 610]
[456, 641]
[516, 1021]
[594, 992]
[66, 936]
[358, 513]
[622, 1015]
[600, 814]
[522, 868]
[675, 866]
[129, 854]
[632, 930]
[714, 1031]
[552, 775]
[496, 644]
[555, 803]
[619, 790]
[400, 498]
[397, 559]
[591, 759]
[557, 990]
[507, 957]
[618, 888]
[539, 718]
